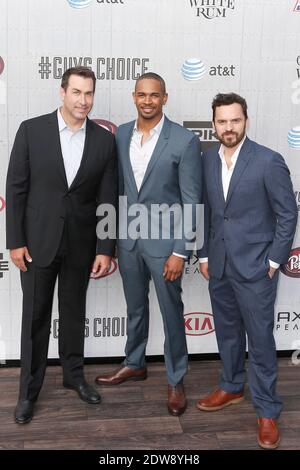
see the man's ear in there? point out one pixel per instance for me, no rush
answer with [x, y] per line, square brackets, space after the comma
[62, 93]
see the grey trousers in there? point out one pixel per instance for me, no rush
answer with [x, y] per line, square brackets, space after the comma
[137, 269]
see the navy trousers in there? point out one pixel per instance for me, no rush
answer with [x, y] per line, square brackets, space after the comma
[240, 309]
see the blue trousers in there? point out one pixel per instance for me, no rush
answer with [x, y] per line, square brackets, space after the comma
[240, 309]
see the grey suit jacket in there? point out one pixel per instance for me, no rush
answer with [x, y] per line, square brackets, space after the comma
[173, 177]
[257, 221]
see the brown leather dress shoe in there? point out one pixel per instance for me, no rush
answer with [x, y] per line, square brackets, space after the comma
[176, 400]
[122, 374]
[218, 400]
[268, 435]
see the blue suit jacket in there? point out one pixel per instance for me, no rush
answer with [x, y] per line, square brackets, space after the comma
[257, 221]
[173, 177]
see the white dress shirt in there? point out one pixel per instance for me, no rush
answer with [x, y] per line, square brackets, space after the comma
[72, 145]
[227, 172]
[226, 177]
[141, 153]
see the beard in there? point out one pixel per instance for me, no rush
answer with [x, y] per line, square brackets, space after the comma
[232, 139]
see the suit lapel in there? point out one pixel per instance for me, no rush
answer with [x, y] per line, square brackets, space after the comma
[127, 163]
[241, 163]
[218, 176]
[85, 154]
[159, 148]
[54, 141]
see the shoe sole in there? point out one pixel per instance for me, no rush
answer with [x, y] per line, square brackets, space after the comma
[25, 421]
[235, 401]
[86, 401]
[177, 413]
[268, 446]
[130, 379]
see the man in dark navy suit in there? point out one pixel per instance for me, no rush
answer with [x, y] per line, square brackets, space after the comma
[250, 221]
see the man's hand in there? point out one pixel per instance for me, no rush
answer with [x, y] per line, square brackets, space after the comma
[173, 268]
[271, 272]
[204, 270]
[17, 256]
[101, 266]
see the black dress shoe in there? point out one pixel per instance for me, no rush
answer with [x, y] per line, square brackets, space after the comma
[85, 391]
[24, 411]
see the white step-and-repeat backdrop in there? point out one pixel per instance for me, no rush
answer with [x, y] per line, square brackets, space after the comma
[251, 47]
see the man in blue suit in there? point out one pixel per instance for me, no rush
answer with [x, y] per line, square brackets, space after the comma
[250, 221]
[159, 165]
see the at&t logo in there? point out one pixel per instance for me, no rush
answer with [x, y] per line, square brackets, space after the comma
[193, 69]
[85, 3]
[294, 138]
[79, 3]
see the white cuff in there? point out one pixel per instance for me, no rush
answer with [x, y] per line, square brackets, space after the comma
[203, 260]
[273, 264]
[179, 256]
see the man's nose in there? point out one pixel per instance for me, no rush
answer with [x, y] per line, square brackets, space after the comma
[83, 100]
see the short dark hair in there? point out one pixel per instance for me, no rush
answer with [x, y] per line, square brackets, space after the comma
[153, 76]
[225, 99]
[84, 72]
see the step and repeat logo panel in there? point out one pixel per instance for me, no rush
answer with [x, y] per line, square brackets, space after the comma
[201, 47]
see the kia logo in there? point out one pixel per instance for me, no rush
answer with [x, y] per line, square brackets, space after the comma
[292, 267]
[113, 268]
[2, 204]
[198, 324]
[109, 126]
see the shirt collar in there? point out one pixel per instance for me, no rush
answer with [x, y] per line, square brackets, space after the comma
[157, 129]
[62, 124]
[235, 155]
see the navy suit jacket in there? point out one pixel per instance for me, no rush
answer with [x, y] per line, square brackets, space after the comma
[257, 221]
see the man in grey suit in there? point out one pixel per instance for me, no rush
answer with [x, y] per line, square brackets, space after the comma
[159, 164]
[250, 221]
